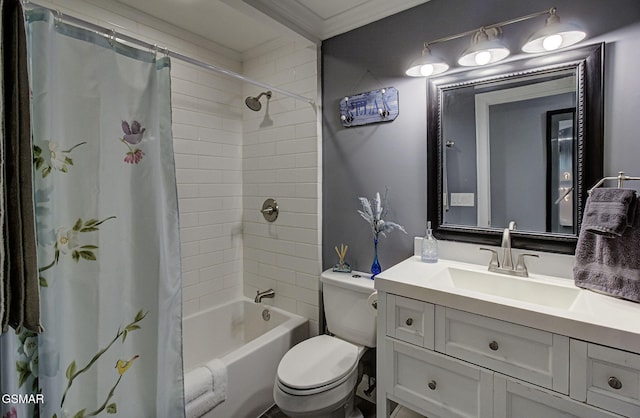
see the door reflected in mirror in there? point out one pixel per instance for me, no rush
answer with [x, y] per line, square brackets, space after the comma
[560, 140]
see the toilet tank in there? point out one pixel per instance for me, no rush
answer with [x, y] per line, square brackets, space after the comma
[349, 314]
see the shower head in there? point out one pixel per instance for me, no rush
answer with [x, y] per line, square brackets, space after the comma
[253, 103]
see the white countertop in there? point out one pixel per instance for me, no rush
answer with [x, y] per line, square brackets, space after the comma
[592, 317]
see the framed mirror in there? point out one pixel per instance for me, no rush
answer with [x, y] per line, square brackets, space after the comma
[522, 144]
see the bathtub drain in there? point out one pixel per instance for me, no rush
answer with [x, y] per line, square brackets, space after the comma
[266, 315]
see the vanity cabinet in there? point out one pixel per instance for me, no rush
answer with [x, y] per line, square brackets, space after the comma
[410, 320]
[529, 354]
[444, 386]
[476, 366]
[606, 377]
[517, 399]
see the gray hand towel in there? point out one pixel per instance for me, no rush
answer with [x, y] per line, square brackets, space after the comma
[610, 265]
[609, 212]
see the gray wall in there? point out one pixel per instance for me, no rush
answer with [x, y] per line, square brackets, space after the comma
[360, 161]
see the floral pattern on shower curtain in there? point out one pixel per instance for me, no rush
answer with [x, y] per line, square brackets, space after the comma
[108, 239]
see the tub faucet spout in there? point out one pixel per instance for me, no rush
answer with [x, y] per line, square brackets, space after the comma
[261, 295]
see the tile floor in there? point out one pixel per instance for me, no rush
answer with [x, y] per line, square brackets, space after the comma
[367, 408]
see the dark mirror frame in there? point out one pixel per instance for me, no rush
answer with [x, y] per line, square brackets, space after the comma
[588, 62]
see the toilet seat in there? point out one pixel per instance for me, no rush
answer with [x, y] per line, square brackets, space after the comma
[316, 365]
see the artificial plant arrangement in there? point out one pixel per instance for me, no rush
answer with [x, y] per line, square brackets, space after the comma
[374, 211]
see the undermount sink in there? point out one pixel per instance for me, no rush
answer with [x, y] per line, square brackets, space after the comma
[522, 289]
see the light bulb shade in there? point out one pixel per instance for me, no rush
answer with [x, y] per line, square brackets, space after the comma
[554, 35]
[427, 65]
[483, 51]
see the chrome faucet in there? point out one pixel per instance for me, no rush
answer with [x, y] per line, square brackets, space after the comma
[507, 266]
[261, 295]
[507, 258]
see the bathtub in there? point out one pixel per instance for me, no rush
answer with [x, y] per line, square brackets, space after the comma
[250, 347]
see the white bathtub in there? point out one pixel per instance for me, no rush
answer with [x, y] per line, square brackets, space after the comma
[250, 347]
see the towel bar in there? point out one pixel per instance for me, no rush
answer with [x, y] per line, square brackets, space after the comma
[620, 177]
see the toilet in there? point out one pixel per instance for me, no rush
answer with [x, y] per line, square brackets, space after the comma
[318, 377]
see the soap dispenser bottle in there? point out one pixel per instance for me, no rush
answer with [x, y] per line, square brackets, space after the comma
[429, 246]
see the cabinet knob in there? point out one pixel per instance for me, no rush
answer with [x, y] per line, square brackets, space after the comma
[432, 385]
[409, 321]
[494, 346]
[615, 383]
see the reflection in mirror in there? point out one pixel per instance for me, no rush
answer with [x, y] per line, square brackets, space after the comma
[518, 146]
[484, 169]
[560, 141]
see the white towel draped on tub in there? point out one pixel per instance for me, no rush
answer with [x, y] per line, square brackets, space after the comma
[196, 383]
[205, 388]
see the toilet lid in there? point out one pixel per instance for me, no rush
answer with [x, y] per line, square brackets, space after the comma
[316, 362]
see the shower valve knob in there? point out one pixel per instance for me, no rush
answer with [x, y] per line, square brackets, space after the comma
[270, 210]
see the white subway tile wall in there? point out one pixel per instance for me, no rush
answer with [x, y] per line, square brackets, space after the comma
[228, 159]
[281, 154]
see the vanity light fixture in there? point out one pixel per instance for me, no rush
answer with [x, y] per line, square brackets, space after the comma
[427, 64]
[554, 35]
[486, 47]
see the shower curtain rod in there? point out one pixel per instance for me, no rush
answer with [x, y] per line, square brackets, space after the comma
[154, 47]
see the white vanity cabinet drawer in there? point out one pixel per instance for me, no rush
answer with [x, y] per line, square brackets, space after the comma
[606, 377]
[529, 354]
[436, 385]
[410, 320]
[514, 398]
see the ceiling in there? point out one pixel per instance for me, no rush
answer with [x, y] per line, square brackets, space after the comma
[245, 24]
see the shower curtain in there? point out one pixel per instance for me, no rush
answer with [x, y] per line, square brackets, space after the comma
[107, 229]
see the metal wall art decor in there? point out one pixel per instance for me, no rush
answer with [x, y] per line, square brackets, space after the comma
[370, 107]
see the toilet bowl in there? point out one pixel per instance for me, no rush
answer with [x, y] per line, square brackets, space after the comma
[317, 378]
